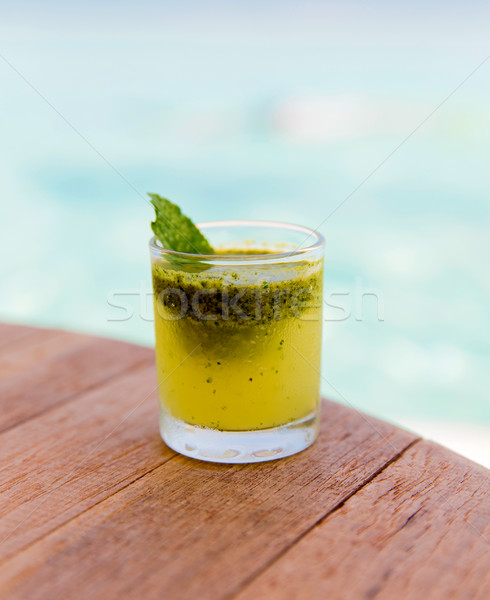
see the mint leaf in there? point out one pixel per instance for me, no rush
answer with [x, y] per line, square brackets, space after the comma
[176, 231]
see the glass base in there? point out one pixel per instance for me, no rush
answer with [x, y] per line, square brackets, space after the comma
[234, 447]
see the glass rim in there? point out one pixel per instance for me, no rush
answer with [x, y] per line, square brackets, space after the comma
[318, 242]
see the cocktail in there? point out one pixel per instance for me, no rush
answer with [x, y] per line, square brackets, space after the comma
[238, 341]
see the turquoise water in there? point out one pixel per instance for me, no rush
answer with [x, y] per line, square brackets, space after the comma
[275, 114]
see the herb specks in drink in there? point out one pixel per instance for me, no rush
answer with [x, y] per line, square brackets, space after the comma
[224, 303]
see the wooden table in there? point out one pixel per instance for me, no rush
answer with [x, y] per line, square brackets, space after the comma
[93, 505]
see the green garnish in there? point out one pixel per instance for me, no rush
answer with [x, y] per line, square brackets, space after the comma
[176, 231]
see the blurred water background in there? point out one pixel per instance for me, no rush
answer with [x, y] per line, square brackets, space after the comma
[271, 110]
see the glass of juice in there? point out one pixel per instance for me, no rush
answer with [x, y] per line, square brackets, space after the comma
[238, 342]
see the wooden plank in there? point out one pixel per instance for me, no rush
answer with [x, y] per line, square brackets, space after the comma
[190, 529]
[41, 345]
[59, 464]
[9, 333]
[84, 362]
[420, 529]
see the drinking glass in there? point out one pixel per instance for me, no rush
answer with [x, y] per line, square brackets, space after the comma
[238, 342]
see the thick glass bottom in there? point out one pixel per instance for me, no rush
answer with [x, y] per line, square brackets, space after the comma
[232, 447]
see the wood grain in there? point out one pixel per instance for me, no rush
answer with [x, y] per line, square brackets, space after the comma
[9, 334]
[60, 374]
[94, 506]
[73, 456]
[189, 529]
[420, 529]
[40, 345]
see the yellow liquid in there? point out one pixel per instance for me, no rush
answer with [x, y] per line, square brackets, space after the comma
[239, 376]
